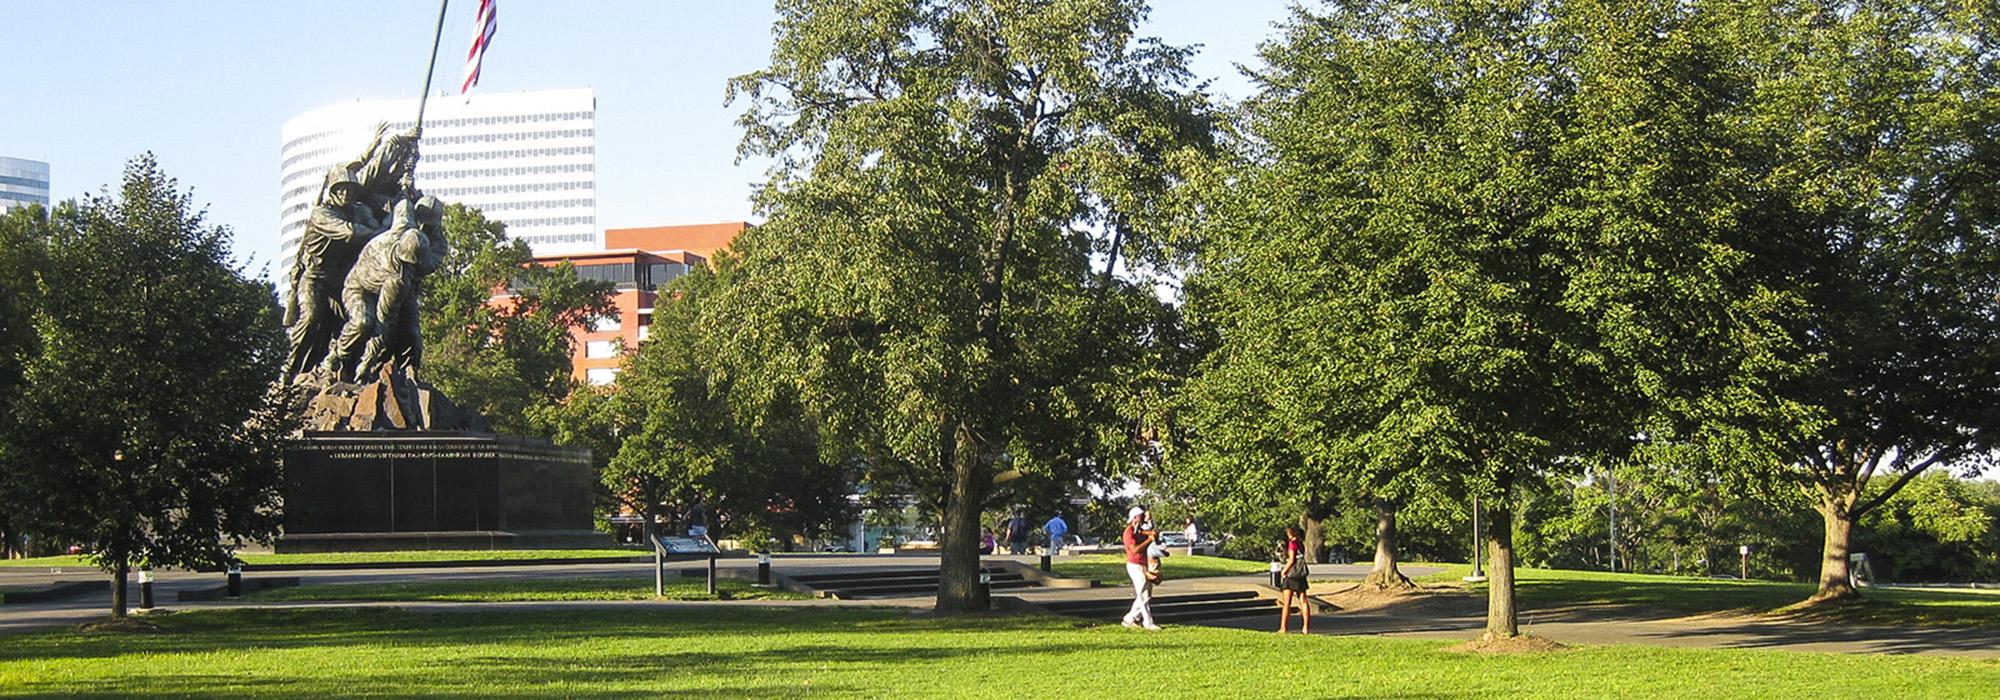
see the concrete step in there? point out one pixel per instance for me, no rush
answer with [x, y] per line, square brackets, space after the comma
[910, 590]
[891, 574]
[900, 581]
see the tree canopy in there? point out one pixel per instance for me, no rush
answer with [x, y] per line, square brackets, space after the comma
[925, 283]
[1866, 130]
[147, 427]
[1479, 244]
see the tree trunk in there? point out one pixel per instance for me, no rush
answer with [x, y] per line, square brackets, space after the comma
[647, 529]
[958, 565]
[1315, 536]
[1501, 620]
[118, 573]
[1834, 581]
[1385, 575]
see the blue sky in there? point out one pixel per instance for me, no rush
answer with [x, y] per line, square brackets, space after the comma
[206, 85]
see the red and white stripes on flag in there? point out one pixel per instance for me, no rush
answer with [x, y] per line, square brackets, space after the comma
[486, 24]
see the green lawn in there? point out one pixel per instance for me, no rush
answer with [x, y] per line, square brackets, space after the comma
[508, 590]
[424, 555]
[1540, 588]
[763, 652]
[1110, 568]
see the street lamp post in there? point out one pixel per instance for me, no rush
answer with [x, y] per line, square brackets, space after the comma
[1478, 540]
[1611, 501]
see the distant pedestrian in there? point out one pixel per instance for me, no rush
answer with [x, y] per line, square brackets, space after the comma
[1292, 580]
[1058, 531]
[698, 518]
[1193, 534]
[987, 542]
[1136, 542]
[1017, 534]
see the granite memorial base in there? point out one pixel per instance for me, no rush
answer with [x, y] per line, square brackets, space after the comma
[348, 491]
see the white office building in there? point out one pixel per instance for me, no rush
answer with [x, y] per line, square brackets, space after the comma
[525, 158]
[23, 182]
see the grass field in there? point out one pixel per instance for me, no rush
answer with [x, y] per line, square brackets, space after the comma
[511, 590]
[762, 652]
[1110, 568]
[411, 556]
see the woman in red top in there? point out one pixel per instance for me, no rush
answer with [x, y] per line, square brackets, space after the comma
[1136, 542]
[1292, 580]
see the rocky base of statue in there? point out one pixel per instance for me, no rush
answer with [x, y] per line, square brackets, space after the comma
[393, 401]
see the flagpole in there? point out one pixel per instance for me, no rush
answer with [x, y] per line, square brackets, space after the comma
[436, 37]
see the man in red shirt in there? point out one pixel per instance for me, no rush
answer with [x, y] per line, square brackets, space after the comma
[1136, 542]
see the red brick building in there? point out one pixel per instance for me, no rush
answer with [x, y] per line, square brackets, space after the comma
[637, 262]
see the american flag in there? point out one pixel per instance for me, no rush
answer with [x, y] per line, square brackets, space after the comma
[486, 23]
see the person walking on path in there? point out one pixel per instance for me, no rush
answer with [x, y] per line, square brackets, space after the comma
[1017, 534]
[1193, 534]
[1057, 531]
[1136, 542]
[1292, 580]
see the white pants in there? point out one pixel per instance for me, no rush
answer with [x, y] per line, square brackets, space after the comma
[1142, 595]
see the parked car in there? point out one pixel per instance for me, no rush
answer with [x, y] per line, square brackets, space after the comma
[1177, 542]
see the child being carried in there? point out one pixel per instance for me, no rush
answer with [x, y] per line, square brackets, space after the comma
[1154, 552]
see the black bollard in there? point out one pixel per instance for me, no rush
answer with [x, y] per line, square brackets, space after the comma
[711, 574]
[985, 590]
[1045, 563]
[235, 580]
[763, 568]
[145, 589]
[1275, 569]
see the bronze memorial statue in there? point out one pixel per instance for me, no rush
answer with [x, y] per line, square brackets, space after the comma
[352, 208]
[383, 460]
[356, 281]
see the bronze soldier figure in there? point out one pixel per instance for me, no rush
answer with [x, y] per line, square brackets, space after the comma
[334, 235]
[380, 295]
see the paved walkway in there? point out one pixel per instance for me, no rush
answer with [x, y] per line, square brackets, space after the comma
[1574, 625]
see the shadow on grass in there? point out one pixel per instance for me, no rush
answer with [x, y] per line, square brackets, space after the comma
[1605, 596]
[1755, 634]
[715, 653]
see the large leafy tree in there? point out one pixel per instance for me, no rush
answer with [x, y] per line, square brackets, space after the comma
[1479, 241]
[23, 238]
[925, 284]
[1872, 184]
[147, 427]
[510, 358]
